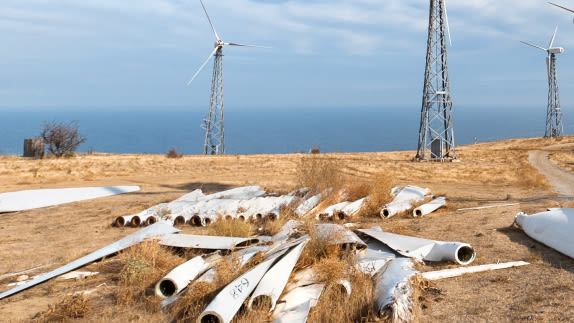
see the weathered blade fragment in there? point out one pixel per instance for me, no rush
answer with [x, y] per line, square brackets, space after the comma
[153, 231]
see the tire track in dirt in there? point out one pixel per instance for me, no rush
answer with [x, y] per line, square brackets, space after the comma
[561, 179]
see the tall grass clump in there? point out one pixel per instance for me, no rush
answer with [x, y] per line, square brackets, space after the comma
[71, 307]
[319, 172]
[230, 228]
[379, 193]
[141, 267]
[529, 177]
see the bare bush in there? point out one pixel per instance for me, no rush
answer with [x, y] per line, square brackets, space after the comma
[62, 138]
[173, 154]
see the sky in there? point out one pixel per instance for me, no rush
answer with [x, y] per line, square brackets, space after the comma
[322, 54]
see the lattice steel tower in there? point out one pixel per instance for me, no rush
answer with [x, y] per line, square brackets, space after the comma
[213, 124]
[554, 126]
[436, 136]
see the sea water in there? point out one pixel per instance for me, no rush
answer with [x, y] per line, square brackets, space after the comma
[265, 131]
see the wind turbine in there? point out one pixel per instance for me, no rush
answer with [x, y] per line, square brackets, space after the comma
[213, 123]
[554, 126]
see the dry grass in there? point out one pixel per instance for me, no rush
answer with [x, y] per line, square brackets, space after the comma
[335, 305]
[379, 194]
[230, 228]
[486, 174]
[319, 172]
[142, 266]
[71, 307]
[286, 213]
[564, 159]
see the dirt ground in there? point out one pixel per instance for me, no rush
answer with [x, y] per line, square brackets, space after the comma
[485, 174]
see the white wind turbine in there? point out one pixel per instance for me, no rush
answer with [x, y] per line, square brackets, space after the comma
[213, 124]
[554, 126]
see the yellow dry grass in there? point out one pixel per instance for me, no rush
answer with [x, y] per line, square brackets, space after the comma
[564, 159]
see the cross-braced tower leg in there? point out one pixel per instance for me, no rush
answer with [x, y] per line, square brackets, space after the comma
[436, 136]
[213, 124]
[554, 126]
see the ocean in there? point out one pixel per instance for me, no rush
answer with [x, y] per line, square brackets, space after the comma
[265, 131]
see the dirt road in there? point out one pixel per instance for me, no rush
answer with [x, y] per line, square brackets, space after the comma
[561, 179]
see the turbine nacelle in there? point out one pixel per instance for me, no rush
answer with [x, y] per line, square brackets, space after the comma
[218, 44]
[550, 50]
[555, 50]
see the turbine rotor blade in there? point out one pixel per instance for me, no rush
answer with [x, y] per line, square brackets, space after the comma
[559, 6]
[209, 19]
[244, 45]
[529, 44]
[553, 36]
[447, 25]
[202, 66]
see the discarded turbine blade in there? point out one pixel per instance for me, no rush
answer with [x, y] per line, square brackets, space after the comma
[375, 257]
[273, 282]
[393, 290]
[228, 301]
[553, 228]
[352, 208]
[178, 279]
[77, 275]
[295, 305]
[403, 200]
[202, 65]
[205, 242]
[307, 205]
[153, 231]
[429, 207]
[297, 313]
[424, 249]
[331, 210]
[455, 272]
[487, 207]
[33, 199]
[243, 256]
[335, 234]
[286, 231]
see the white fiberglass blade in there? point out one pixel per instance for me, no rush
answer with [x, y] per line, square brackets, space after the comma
[202, 66]
[553, 36]
[559, 6]
[243, 45]
[447, 25]
[153, 231]
[529, 44]
[209, 19]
